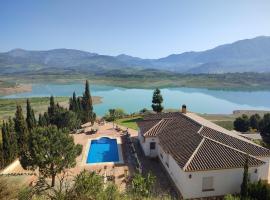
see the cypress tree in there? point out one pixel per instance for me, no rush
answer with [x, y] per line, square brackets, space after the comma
[71, 104]
[6, 144]
[74, 103]
[47, 118]
[1, 156]
[244, 185]
[52, 109]
[22, 136]
[157, 101]
[42, 120]
[79, 104]
[30, 116]
[13, 139]
[87, 105]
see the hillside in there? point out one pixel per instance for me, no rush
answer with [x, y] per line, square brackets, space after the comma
[250, 55]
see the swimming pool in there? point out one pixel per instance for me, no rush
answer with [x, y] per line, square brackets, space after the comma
[103, 150]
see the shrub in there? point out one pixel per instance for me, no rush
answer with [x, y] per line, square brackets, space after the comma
[259, 191]
[231, 197]
[241, 123]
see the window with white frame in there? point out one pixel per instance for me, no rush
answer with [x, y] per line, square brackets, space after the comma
[208, 184]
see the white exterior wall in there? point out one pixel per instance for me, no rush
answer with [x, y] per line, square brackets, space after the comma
[227, 181]
[264, 169]
[145, 144]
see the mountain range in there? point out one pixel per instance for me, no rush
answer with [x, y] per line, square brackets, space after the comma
[249, 55]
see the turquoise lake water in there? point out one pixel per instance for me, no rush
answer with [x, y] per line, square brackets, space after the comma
[133, 100]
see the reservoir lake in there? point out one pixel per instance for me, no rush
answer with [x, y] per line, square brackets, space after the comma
[133, 100]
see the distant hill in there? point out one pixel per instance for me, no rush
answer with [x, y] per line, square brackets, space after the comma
[249, 55]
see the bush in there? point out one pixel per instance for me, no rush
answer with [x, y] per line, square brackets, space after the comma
[241, 123]
[259, 191]
[231, 197]
[114, 114]
[254, 121]
[25, 194]
[142, 186]
[88, 185]
[111, 192]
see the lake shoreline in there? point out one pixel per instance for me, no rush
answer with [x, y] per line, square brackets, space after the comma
[133, 100]
[229, 81]
[18, 88]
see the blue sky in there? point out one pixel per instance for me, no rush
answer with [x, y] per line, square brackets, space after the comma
[144, 28]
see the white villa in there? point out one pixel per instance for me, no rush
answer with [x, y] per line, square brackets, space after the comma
[202, 158]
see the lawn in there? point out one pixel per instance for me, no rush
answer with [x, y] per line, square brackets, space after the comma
[225, 121]
[225, 124]
[129, 122]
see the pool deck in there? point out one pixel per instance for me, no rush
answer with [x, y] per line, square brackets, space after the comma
[117, 170]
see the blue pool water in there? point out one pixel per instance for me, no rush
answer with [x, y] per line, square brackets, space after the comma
[103, 150]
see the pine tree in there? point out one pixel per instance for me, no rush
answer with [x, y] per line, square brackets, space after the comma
[157, 101]
[244, 185]
[87, 105]
[52, 150]
[30, 116]
[22, 136]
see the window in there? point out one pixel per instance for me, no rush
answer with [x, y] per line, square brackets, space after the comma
[152, 145]
[207, 184]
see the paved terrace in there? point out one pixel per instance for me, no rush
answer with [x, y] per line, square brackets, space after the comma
[119, 171]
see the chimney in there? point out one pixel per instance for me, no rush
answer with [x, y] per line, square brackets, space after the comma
[184, 109]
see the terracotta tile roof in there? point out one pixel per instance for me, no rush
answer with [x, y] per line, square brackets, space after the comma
[162, 115]
[146, 125]
[196, 147]
[180, 139]
[234, 142]
[212, 155]
[157, 128]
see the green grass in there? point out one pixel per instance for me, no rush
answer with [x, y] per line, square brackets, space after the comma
[39, 104]
[225, 124]
[129, 122]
